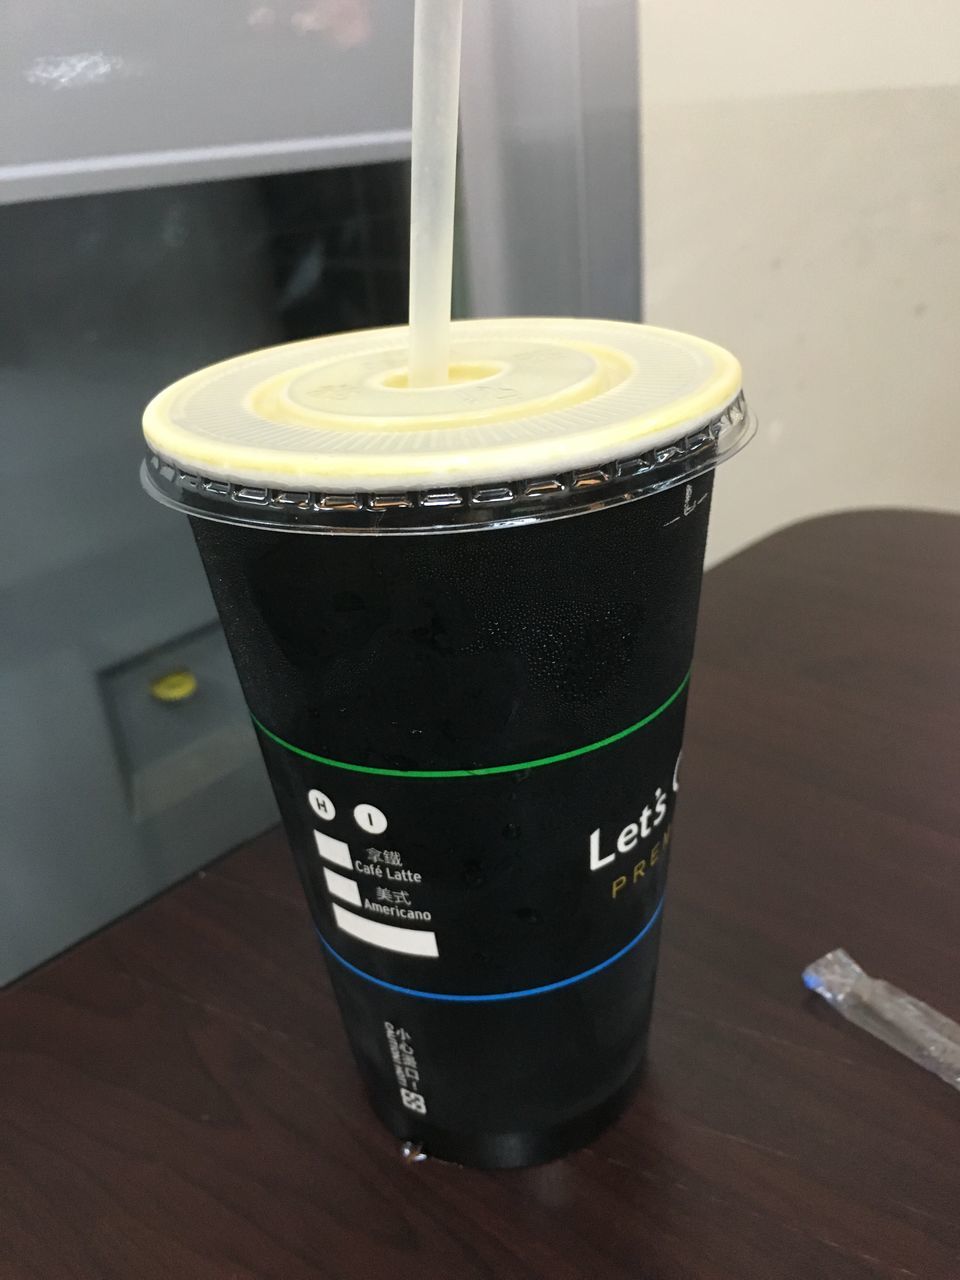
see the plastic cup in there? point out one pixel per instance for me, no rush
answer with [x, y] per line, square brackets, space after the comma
[463, 619]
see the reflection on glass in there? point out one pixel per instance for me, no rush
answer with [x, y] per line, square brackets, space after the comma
[347, 22]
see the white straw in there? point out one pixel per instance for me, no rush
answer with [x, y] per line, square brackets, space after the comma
[433, 183]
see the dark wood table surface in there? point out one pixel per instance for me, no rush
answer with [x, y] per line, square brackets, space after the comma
[177, 1098]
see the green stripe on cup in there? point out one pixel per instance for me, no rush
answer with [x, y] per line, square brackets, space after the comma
[490, 769]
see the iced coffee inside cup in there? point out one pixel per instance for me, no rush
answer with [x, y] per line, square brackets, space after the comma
[474, 739]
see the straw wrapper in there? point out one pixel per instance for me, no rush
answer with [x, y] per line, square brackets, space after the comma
[905, 1024]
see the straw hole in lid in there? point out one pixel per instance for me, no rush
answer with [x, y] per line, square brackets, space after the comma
[461, 373]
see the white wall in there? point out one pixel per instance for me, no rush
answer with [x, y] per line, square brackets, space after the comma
[801, 176]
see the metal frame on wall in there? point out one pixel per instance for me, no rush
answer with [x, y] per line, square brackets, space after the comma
[550, 143]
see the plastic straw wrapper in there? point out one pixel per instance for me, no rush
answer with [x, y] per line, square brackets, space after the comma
[905, 1024]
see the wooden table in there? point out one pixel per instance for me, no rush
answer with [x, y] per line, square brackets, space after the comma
[177, 1100]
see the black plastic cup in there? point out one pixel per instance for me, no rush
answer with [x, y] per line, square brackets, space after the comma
[473, 723]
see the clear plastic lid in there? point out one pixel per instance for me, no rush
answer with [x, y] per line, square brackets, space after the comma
[541, 418]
